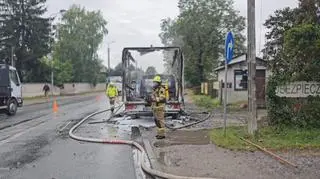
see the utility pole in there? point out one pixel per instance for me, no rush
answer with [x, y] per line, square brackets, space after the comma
[61, 12]
[109, 55]
[108, 58]
[51, 61]
[251, 55]
[12, 56]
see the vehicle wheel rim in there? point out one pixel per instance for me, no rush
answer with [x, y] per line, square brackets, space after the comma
[12, 107]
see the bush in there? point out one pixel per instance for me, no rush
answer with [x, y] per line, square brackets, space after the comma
[291, 111]
[196, 90]
[206, 101]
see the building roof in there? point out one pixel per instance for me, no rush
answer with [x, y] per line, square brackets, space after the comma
[236, 60]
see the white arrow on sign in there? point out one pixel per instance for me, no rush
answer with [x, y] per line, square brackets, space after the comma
[230, 46]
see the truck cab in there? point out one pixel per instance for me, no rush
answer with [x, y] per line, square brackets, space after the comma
[10, 90]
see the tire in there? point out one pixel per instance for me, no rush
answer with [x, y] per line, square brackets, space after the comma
[12, 107]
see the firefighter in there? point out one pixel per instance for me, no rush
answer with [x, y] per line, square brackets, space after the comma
[112, 93]
[158, 106]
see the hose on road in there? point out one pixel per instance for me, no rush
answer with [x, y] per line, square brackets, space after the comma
[125, 142]
[111, 116]
[193, 123]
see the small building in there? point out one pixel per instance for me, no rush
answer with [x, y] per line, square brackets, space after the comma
[237, 80]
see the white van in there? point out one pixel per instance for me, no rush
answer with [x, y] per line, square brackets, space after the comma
[10, 90]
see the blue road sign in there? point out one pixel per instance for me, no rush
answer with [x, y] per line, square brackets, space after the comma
[229, 47]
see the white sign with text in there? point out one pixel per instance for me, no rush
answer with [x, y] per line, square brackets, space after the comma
[299, 89]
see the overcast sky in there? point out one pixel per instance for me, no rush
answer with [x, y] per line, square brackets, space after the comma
[137, 22]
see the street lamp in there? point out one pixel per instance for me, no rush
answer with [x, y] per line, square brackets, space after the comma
[109, 54]
[54, 15]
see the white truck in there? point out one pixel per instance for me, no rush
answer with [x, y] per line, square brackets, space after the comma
[10, 90]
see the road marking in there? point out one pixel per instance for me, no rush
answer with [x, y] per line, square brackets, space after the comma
[20, 133]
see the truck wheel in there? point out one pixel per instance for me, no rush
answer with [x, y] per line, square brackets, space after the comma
[12, 107]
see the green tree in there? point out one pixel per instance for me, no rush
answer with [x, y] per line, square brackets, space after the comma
[24, 30]
[117, 71]
[302, 53]
[79, 36]
[293, 51]
[200, 29]
[279, 23]
[151, 70]
[307, 11]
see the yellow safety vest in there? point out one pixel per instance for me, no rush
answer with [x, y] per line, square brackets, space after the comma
[112, 91]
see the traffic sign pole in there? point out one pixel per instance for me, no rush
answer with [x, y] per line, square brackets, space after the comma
[229, 54]
[225, 100]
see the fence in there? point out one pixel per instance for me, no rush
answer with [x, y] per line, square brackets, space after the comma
[210, 88]
[36, 89]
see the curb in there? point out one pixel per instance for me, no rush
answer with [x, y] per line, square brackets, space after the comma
[151, 156]
[32, 104]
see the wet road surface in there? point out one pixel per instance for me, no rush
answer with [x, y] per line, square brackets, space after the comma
[41, 147]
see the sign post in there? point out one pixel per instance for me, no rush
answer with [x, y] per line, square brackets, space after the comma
[229, 54]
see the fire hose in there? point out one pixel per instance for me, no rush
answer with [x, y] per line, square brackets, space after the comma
[111, 116]
[143, 156]
[193, 123]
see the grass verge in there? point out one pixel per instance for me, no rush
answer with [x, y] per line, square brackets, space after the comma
[209, 103]
[285, 139]
[205, 101]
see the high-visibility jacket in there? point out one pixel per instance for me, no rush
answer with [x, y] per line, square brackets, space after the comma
[112, 91]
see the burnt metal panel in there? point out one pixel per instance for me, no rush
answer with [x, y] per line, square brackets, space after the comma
[4, 81]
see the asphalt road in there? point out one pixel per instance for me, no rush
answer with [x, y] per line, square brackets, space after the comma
[35, 144]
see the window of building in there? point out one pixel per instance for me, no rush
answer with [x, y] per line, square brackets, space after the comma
[240, 80]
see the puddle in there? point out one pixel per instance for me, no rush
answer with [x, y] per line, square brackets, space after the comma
[124, 128]
[115, 132]
[181, 137]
